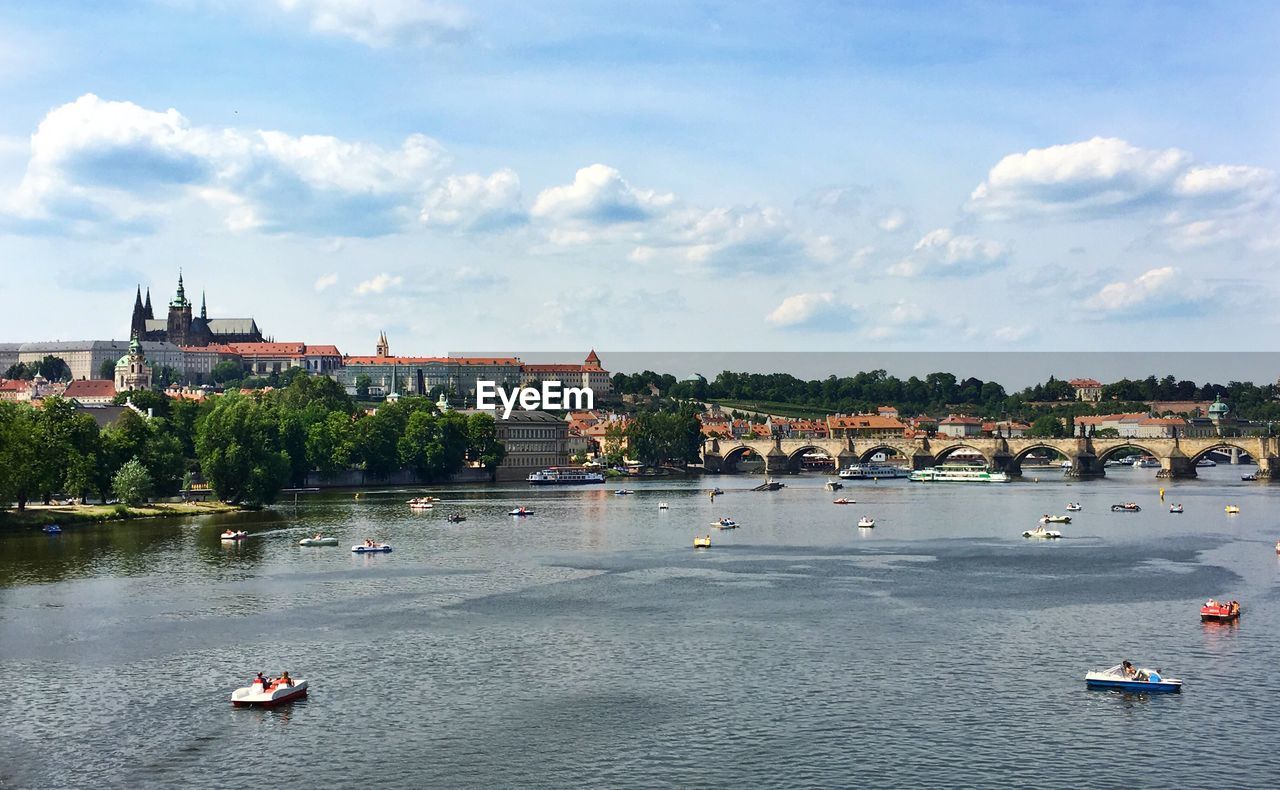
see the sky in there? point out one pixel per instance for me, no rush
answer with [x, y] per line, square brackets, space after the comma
[665, 176]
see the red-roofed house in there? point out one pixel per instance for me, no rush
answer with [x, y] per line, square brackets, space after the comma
[959, 426]
[589, 374]
[266, 358]
[864, 426]
[15, 390]
[91, 392]
[1089, 390]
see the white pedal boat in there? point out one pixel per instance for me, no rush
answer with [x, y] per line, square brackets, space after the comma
[725, 523]
[380, 548]
[1041, 532]
[866, 521]
[229, 535]
[272, 695]
[318, 542]
[425, 503]
[520, 511]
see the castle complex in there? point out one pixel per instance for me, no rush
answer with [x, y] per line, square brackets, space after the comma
[182, 329]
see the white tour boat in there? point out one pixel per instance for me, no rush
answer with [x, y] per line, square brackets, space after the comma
[565, 476]
[958, 473]
[873, 472]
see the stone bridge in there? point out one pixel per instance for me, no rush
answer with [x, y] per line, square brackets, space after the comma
[1177, 456]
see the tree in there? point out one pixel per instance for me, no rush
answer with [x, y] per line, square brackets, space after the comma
[107, 370]
[238, 446]
[20, 469]
[55, 368]
[433, 446]
[363, 383]
[1047, 426]
[226, 371]
[18, 371]
[157, 402]
[483, 446]
[132, 483]
[331, 443]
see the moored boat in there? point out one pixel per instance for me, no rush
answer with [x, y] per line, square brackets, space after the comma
[1215, 611]
[318, 541]
[565, 476]
[957, 473]
[273, 693]
[1129, 678]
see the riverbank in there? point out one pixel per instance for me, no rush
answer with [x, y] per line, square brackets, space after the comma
[36, 515]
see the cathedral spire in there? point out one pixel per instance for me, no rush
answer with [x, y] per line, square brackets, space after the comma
[146, 309]
[138, 322]
[203, 312]
[137, 301]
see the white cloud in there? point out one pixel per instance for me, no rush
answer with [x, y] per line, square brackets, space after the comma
[473, 202]
[893, 221]
[326, 281]
[1011, 334]
[819, 310]
[900, 319]
[98, 165]
[1105, 176]
[1155, 287]
[941, 253]
[378, 284]
[380, 23]
[599, 196]
[738, 237]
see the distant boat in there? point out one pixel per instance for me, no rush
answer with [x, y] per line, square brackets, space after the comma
[1206, 462]
[1175, 508]
[834, 485]
[52, 529]
[702, 542]
[1146, 462]
[565, 476]
[1127, 507]
[1141, 680]
[866, 522]
[1233, 509]
[1074, 507]
[957, 473]
[663, 506]
[1042, 532]
[873, 472]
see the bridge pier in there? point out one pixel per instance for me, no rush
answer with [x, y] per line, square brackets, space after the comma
[922, 459]
[1005, 462]
[1085, 464]
[1267, 466]
[776, 461]
[1235, 456]
[1176, 466]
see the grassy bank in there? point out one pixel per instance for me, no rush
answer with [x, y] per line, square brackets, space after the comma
[773, 409]
[38, 515]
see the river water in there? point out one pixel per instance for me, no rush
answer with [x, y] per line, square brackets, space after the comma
[590, 645]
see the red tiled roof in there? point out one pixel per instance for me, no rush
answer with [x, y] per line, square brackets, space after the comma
[283, 350]
[1078, 383]
[15, 385]
[375, 360]
[960, 419]
[866, 421]
[90, 388]
[1091, 419]
[558, 368]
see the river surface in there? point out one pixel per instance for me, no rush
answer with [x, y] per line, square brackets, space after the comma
[590, 645]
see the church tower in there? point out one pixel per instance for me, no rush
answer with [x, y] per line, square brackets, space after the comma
[147, 307]
[384, 349]
[132, 371]
[179, 324]
[138, 323]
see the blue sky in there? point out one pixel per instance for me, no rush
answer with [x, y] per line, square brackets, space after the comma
[668, 176]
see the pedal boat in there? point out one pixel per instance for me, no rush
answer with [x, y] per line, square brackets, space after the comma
[273, 694]
[51, 529]
[1175, 508]
[1232, 509]
[842, 501]
[1055, 519]
[702, 541]
[1041, 532]
[725, 523]
[229, 535]
[1127, 507]
[423, 503]
[1074, 507]
[1219, 612]
[380, 548]
[318, 542]
[1146, 680]
[866, 522]
[520, 511]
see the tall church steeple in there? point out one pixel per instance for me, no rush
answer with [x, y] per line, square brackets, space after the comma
[138, 322]
[203, 312]
[146, 309]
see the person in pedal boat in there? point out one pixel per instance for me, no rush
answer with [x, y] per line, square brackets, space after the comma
[284, 680]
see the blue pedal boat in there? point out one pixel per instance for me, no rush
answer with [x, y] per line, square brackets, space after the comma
[1148, 680]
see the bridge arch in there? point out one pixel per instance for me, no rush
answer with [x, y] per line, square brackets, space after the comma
[890, 452]
[941, 456]
[1125, 448]
[796, 456]
[1022, 454]
[730, 459]
[1225, 444]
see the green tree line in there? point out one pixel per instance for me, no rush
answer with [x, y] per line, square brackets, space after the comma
[247, 446]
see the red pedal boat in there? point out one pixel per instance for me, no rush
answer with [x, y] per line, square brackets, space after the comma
[1219, 612]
